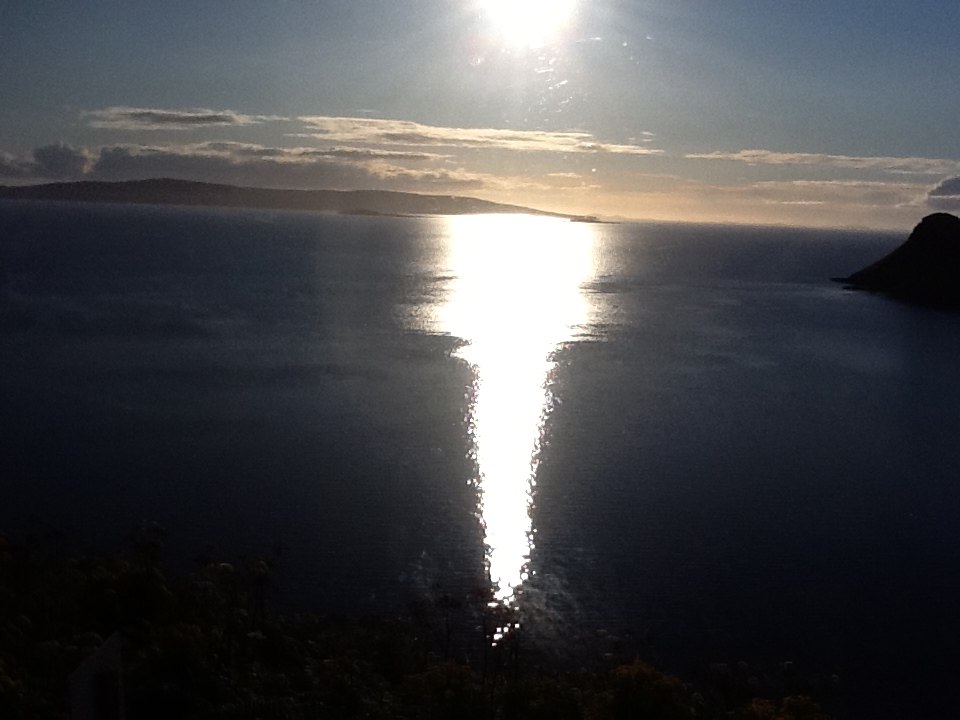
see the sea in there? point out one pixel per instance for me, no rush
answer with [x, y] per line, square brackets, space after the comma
[682, 434]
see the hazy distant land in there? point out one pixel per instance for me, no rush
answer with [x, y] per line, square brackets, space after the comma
[164, 191]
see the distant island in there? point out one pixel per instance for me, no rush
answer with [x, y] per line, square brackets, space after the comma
[165, 191]
[924, 269]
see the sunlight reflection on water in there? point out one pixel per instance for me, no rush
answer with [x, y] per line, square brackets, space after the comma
[514, 296]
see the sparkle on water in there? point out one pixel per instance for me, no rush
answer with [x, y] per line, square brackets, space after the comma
[514, 296]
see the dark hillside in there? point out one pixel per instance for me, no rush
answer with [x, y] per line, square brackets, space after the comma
[183, 192]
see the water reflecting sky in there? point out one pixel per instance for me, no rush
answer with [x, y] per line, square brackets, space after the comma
[513, 295]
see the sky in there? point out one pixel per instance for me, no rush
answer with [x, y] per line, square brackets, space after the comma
[842, 113]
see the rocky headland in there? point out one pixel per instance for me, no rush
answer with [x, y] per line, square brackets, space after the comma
[924, 269]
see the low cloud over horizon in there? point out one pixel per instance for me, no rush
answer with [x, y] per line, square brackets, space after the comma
[252, 164]
[50, 162]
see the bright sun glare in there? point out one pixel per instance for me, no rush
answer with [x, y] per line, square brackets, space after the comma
[529, 23]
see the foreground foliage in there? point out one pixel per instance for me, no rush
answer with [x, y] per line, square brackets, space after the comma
[208, 646]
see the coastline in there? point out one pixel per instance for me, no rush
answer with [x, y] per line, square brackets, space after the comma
[165, 191]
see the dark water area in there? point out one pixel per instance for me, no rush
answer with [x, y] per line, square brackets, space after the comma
[733, 458]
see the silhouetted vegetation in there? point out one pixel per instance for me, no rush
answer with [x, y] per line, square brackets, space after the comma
[208, 645]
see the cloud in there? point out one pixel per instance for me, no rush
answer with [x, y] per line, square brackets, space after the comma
[945, 196]
[374, 131]
[61, 161]
[344, 153]
[264, 166]
[12, 166]
[911, 165]
[49, 162]
[130, 118]
[454, 177]
[260, 166]
[862, 193]
[947, 188]
[239, 163]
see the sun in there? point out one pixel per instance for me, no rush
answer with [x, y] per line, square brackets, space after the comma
[529, 23]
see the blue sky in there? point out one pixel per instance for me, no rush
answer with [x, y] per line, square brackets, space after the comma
[811, 113]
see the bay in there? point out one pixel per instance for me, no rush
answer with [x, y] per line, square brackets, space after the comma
[685, 432]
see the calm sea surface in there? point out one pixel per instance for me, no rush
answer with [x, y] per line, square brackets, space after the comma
[685, 431]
